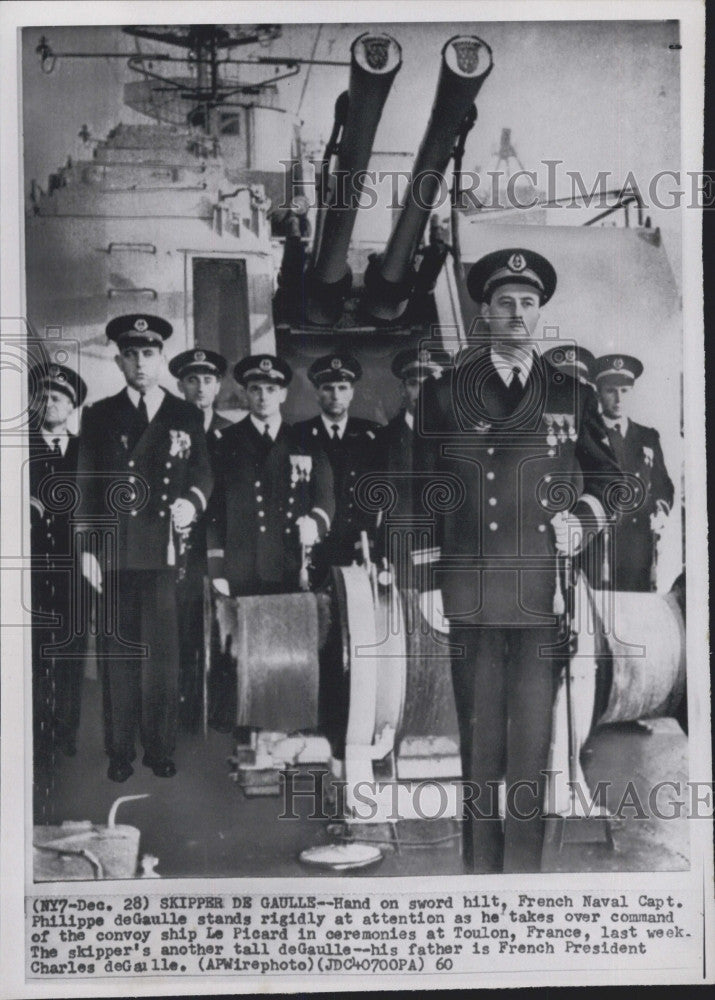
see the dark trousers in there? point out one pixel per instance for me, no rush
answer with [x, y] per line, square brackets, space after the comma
[56, 679]
[504, 695]
[190, 603]
[141, 691]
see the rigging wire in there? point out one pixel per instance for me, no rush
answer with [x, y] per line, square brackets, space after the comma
[310, 66]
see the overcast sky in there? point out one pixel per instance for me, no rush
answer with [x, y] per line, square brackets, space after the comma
[597, 95]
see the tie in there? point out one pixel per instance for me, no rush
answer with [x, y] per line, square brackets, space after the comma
[335, 428]
[515, 389]
[56, 450]
[267, 435]
[142, 415]
[618, 444]
[617, 429]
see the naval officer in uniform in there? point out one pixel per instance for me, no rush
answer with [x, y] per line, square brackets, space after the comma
[572, 359]
[350, 444]
[199, 375]
[56, 674]
[625, 556]
[144, 461]
[509, 436]
[395, 452]
[273, 499]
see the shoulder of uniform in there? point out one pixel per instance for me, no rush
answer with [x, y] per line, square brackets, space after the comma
[645, 432]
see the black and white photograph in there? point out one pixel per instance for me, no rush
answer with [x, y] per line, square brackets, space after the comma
[361, 385]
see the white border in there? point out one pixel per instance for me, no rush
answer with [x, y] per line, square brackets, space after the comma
[691, 15]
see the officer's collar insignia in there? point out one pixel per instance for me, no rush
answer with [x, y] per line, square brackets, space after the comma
[516, 263]
[199, 356]
[265, 364]
[141, 325]
[618, 363]
[336, 363]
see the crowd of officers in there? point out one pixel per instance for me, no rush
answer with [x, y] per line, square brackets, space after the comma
[263, 507]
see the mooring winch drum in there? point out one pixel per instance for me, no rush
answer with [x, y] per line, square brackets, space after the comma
[642, 646]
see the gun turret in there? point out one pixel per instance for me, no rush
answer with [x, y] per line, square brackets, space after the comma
[375, 60]
[466, 63]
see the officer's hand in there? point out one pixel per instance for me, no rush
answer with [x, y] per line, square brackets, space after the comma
[183, 513]
[307, 530]
[221, 585]
[92, 571]
[568, 533]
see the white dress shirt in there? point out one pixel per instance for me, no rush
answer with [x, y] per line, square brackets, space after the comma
[506, 363]
[340, 424]
[61, 437]
[153, 398]
[273, 423]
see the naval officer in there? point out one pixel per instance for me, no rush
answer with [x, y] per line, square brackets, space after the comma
[273, 499]
[144, 460]
[509, 436]
[629, 561]
[395, 451]
[572, 359]
[350, 444]
[199, 375]
[56, 674]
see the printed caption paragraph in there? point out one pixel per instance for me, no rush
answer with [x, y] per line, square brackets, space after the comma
[266, 934]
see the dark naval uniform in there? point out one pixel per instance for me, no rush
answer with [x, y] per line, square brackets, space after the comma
[132, 472]
[261, 491]
[624, 556]
[394, 449]
[506, 458]
[194, 566]
[351, 455]
[56, 662]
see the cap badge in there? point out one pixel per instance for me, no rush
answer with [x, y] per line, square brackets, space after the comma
[336, 363]
[265, 364]
[141, 325]
[618, 363]
[199, 356]
[54, 371]
[516, 263]
[571, 355]
[424, 357]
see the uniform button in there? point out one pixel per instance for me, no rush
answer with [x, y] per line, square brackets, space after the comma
[259, 498]
[164, 496]
[635, 519]
[352, 472]
[49, 535]
[291, 499]
[492, 501]
[352, 489]
[162, 513]
[132, 479]
[544, 503]
[130, 463]
[289, 514]
[493, 526]
[134, 513]
[166, 479]
[490, 475]
[490, 451]
[257, 483]
[542, 527]
[262, 528]
[261, 514]
[551, 452]
[350, 506]
[547, 479]
[287, 531]
[168, 465]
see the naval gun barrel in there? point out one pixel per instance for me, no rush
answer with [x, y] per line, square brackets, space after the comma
[375, 60]
[466, 63]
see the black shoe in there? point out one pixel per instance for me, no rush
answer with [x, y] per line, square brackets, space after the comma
[119, 770]
[164, 768]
